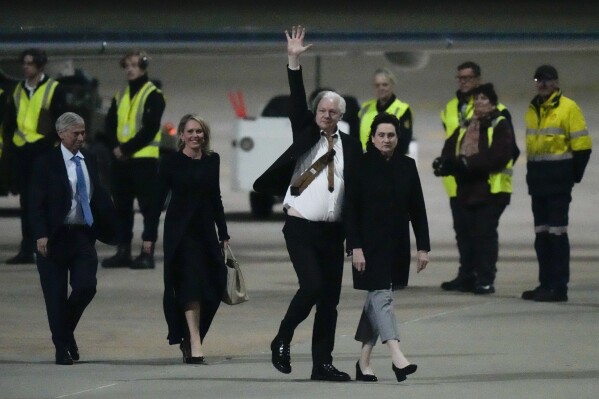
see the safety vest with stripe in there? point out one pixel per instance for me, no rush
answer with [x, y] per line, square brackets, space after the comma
[499, 182]
[369, 111]
[129, 113]
[555, 129]
[28, 111]
[453, 117]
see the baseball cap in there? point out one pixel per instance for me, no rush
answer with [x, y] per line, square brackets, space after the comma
[546, 72]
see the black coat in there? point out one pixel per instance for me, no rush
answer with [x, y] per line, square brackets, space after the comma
[192, 197]
[306, 134]
[50, 199]
[384, 197]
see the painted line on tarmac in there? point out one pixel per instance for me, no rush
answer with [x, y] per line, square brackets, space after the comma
[451, 311]
[86, 390]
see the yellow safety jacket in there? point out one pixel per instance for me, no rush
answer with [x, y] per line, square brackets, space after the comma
[369, 111]
[557, 145]
[129, 115]
[452, 118]
[28, 111]
[555, 130]
[500, 182]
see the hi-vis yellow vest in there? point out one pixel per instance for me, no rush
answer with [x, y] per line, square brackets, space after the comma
[129, 113]
[368, 112]
[452, 118]
[29, 109]
[500, 182]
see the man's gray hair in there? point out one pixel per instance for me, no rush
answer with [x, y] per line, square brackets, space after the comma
[330, 95]
[67, 120]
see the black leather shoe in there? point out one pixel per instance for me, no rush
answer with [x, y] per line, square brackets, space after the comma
[530, 295]
[143, 261]
[401, 374]
[551, 296]
[364, 377]
[483, 289]
[63, 357]
[463, 284]
[22, 258]
[328, 372]
[73, 350]
[281, 355]
[122, 258]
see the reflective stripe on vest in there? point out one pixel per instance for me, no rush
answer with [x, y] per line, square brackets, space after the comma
[500, 182]
[369, 111]
[28, 111]
[129, 114]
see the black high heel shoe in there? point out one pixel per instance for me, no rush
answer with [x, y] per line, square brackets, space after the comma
[185, 347]
[401, 374]
[364, 377]
[195, 360]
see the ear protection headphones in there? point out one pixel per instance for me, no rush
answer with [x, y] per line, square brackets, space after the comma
[143, 60]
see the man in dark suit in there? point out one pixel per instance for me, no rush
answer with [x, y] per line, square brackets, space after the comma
[312, 175]
[69, 210]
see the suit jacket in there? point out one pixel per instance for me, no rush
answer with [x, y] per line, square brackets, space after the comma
[306, 134]
[50, 199]
[384, 198]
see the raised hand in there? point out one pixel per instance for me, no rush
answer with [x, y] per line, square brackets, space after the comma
[295, 41]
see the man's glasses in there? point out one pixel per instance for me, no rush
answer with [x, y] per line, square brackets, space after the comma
[468, 78]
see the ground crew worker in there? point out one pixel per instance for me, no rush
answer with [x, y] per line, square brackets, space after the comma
[558, 148]
[386, 101]
[35, 105]
[133, 130]
[457, 113]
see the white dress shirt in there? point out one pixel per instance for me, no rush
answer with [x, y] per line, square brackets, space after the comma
[316, 202]
[75, 215]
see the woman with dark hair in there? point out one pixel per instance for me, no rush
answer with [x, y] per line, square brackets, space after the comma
[384, 196]
[480, 157]
[194, 270]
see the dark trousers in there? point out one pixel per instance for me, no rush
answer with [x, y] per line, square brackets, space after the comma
[24, 159]
[316, 251]
[480, 225]
[131, 179]
[552, 245]
[465, 245]
[72, 259]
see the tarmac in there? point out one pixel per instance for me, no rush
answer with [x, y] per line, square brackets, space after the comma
[465, 346]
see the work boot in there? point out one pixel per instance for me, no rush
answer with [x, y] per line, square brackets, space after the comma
[460, 283]
[122, 258]
[22, 258]
[143, 261]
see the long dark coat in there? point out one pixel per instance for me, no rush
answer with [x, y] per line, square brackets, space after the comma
[190, 196]
[383, 198]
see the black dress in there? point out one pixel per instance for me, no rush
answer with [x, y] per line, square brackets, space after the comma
[194, 269]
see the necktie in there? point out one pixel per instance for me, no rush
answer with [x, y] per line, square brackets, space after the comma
[304, 180]
[82, 197]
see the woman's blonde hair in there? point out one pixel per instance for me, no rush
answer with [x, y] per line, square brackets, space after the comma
[205, 127]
